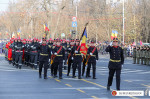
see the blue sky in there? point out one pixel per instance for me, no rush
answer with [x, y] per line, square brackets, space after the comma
[4, 4]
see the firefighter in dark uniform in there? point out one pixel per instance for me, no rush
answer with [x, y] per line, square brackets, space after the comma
[77, 59]
[134, 55]
[59, 55]
[115, 64]
[13, 50]
[18, 54]
[34, 53]
[44, 55]
[50, 45]
[52, 62]
[92, 56]
[27, 52]
[64, 44]
[70, 57]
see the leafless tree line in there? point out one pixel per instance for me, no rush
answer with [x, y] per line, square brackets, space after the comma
[30, 15]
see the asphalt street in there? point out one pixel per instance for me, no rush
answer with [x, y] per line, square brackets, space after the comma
[25, 83]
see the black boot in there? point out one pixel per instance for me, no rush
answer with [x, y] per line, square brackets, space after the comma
[108, 87]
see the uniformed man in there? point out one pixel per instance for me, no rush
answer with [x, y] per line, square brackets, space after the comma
[92, 56]
[70, 57]
[147, 55]
[77, 59]
[138, 54]
[34, 53]
[19, 52]
[64, 44]
[52, 61]
[27, 53]
[115, 63]
[134, 54]
[144, 54]
[45, 53]
[13, 50]
[59, 56]
[50, 45]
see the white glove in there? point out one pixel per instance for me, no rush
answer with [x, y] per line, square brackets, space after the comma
[69, 48]
[55, 53]
[63, 61]
[76, 51]
[49, 60]
[72, 58]
[110, 44]
[122, 66]
[51, 53]
[91, 53]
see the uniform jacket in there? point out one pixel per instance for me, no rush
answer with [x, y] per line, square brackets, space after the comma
[44, 52]
[76, 55]
[61, 55]
[93, 57]
[116, 57]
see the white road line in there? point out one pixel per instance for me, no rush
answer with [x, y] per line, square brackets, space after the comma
[87, 88]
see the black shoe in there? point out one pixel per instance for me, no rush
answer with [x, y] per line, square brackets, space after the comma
[118, 89]
[79, 78]
[108, 87]
[55, 76]
[94, 77]
[60, 77]
[73, 76]
[67, 74]
[40, 76]
[51, 74]
[89, 76]
[45, 78]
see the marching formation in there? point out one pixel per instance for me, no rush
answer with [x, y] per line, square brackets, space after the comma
[54, 54]
[141, 55]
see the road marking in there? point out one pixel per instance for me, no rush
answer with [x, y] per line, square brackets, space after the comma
[80, 90]
[64, 73]
[93, 83]
[127, 80]
[68, 85]
[50, 77]
[57, 80]
[85, 88]
[95, 97]
[145, 85]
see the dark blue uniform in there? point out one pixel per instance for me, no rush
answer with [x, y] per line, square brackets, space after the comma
[34, 54]
[13, 52]
[115, 64]
[19, 52]
[58, 60]
[77, 59]
[92, 51]
[70, 61]
[44, 56]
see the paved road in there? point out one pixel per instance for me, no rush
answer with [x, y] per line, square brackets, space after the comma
[25, 84]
